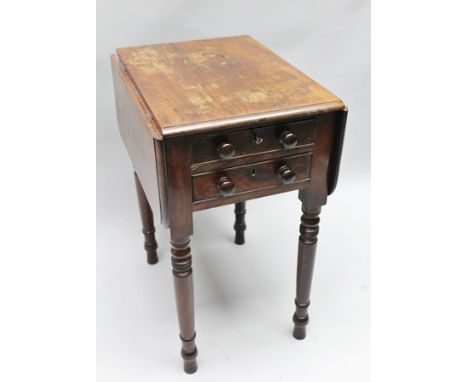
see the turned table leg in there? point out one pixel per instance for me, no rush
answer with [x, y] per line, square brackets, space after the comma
[309, 229]
[239, 225]
[148, 224]
[183, 284]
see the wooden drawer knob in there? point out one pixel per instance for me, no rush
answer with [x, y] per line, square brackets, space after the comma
[226, 186]
[286, 174]
[226, 150]
[288, 139]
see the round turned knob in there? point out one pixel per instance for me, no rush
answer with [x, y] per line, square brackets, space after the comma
[226, 186]
[288, 139]
[286, 174]
[226, 150]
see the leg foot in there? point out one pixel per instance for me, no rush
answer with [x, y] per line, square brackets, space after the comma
[299, 333]
[190, 361]
[148, 224]
[305, 266]
[151, 246]
[239, 225]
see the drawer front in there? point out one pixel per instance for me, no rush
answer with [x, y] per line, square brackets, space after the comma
[254, 141]
[251, 177]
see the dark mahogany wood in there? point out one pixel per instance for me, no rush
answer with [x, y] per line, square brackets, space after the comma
[181, 227]
[213, 122]
[133, 127]
[239, 225]
[183, 284]
[236, 198]
[305, 266]
[337, 150]
[254, 141]
[248, 178]
[147, 221]
[201, 168]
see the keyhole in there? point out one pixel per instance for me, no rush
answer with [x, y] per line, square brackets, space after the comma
[253, 172]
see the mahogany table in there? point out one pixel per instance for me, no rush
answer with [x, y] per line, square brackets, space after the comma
[213, 122]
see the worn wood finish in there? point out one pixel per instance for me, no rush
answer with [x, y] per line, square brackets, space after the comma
[217, 80]
[147, 221]
[251, 120]
[248, 178]
[215, 122]
[239, 225]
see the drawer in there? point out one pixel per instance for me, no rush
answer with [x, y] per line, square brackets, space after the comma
[251, 177]
[283, 136]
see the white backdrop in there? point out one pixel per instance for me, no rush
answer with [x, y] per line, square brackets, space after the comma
[244, 295]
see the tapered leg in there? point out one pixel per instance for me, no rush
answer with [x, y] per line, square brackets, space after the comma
[309, 229]
[239, 225]
[183, 284]
[148, 224]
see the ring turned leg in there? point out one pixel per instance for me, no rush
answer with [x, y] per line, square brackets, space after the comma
[183, 284]
[239, 225]
[148, 224]
[309, 229]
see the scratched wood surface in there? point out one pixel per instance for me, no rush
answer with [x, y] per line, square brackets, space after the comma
[188, 85]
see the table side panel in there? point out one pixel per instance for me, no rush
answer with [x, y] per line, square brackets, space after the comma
[335, 161]
[138, 141]
[320, 171]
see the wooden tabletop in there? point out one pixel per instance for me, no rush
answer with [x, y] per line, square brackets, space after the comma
[204, 85]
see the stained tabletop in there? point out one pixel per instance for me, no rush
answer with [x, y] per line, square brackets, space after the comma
[192, 82]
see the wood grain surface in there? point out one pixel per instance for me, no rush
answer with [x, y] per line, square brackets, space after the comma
[256, 176]
[133, 127]
[195, 86]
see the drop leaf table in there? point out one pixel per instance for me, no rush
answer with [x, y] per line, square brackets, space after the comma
[213, 122]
